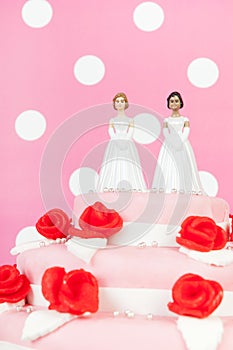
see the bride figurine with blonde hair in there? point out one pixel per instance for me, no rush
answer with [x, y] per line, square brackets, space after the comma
[121, 168]
[176, 169]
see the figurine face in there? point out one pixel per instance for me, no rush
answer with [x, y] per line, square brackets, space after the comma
[120, 104]
[174, 103]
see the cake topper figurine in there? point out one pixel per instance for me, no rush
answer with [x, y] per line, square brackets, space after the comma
[121, 169]
[176, 169]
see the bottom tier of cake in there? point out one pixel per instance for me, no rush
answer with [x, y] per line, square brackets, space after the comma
[104, 331]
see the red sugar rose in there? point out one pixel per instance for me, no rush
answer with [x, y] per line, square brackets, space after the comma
[75, 292]
[13, 286]
[195, 296]
[54, 224]
[98, 221]
[230, 228]
[201, 233]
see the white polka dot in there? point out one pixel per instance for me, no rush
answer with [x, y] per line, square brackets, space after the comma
[30, 125]
[148, 16]
[203, 72]
[37, 13]
[83, 180]
[89, 70]
[209, 183]
[28, 234]
[147, 128]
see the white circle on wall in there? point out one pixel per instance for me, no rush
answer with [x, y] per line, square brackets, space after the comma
[209, 183]
[203, 72]
[89, 70]
[83, 180]
[147, 128]
[30, 125]
[37, 13]
[148, 16]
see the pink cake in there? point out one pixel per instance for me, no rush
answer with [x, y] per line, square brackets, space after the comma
[150, 216]
[136, 269]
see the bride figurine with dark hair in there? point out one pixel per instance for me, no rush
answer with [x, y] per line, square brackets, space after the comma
[121, 169]
[176, 169]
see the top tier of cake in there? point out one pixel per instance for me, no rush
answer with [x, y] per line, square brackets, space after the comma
[150, 216]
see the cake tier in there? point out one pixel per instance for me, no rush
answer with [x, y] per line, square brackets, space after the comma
[156, 208]
[107, 332]
[149, 216]
[138, 279]
[135, 283]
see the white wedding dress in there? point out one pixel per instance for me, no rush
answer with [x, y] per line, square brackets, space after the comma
[176, 168]
[121, 169]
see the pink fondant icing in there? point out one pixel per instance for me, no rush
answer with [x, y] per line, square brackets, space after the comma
[126, 267]
[107, 332]
[153, 207]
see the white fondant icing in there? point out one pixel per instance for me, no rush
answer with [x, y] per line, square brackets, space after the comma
[30, 245]
[201, 334]
[220, 257]
[9, 306]
[85, 249]
[10, 346]
[141, 301]
[28, 234]
[133, 233]
[40, 323]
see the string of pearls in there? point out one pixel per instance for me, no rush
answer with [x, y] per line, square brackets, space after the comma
[27, 309]
[174, 190]
[130, 314]
[154, 190]
[111, 189]
[229, 246]
[153, 244]
[56, 241]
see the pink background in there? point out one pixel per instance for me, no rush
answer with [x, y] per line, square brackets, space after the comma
[37, 73]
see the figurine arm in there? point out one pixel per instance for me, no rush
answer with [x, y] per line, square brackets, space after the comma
[111, 131]
[166, 132]
[130, 129]
[186, 130]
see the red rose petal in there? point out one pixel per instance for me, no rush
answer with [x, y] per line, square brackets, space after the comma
[195, 296]
[197, 236]
[13, 286]
[19, 294]
[84, 233]
[221, 238]
[201, 230]
[86, 213]
[79, 292]
[8, 274]
[203, 219]
[96, 215]
[75, 292]
[202, 234]
[51, 283]
[54, 224]
[193, 245]
[98, 218]
[197, 220]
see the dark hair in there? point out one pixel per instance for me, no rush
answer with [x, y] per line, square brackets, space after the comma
[123, 95]
[172, 94]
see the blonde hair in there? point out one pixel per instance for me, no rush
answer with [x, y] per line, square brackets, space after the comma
[120, 94]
